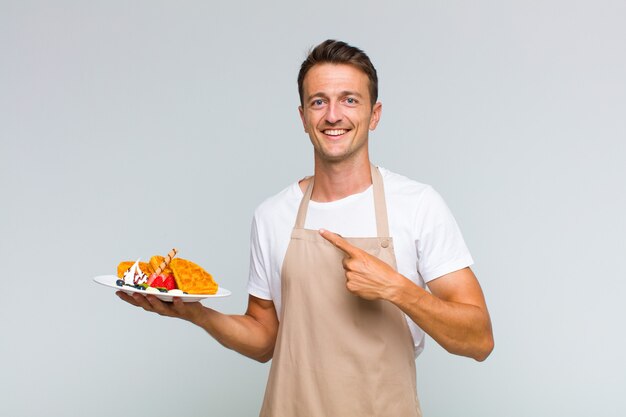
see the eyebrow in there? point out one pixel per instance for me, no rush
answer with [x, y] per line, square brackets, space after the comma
[341, 94]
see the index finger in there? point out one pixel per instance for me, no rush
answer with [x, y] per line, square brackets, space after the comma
[339, 242]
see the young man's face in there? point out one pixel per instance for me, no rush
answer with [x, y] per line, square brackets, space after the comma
[337, 112]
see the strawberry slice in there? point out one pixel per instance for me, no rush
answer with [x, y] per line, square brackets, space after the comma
[169, 282]
[157, 282]
[151, 279]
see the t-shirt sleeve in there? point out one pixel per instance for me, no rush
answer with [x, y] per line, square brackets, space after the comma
[258, 277]
[440, 246]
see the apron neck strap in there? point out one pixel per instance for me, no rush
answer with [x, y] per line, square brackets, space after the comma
[380, 206]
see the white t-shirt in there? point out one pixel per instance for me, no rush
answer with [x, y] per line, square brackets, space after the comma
[427, 239]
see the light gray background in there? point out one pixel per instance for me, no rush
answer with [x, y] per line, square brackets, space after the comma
[128, 128]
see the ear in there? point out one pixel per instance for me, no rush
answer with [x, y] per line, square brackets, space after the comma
[301, 111]
[377, 110]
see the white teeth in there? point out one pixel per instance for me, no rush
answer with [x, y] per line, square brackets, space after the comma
[335, 132]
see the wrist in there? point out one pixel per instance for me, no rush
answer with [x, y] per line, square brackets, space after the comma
[196, 315]
[395, 288]
[402, 289]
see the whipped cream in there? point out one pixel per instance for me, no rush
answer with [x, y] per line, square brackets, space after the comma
[134, 275]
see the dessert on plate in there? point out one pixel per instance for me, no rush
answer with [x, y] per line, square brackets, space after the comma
[166, 275]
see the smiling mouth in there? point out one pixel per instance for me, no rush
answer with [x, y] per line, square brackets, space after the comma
[335, 132]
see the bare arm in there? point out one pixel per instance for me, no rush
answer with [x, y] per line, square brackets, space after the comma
[252, 334]
[455, 314]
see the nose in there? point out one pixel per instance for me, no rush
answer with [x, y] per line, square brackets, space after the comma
[333, 115]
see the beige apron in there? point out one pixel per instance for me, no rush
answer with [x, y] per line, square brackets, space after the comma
[336, 354]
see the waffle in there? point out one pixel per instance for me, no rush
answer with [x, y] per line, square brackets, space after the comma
[155, 261]
[124, 266]
[191, 278]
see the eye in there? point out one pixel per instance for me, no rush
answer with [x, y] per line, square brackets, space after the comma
[351, 100]
[317, 102]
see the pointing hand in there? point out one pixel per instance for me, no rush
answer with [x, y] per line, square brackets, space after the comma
[366, 275]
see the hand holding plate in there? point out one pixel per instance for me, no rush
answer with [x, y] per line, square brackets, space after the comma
[149, 302]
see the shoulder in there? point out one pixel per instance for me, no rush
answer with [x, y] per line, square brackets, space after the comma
[279, 205]
[399, 186]
[411, 199]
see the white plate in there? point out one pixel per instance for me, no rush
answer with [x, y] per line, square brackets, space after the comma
[109, 281]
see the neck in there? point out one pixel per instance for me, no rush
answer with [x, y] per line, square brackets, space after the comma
[337, 180]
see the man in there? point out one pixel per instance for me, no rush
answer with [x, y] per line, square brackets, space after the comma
[343, 317]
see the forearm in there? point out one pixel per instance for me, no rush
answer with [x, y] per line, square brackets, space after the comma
[241, 333]
[460, 328]
[252, 334]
